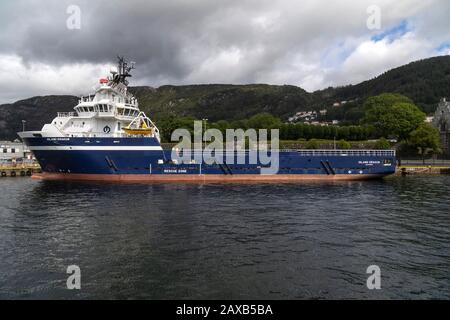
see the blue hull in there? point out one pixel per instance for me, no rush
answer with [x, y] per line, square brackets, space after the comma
[144, 156]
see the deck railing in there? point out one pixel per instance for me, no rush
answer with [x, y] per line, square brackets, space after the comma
[303, 152]
[66, 114]
[383, 153]
[86, 99]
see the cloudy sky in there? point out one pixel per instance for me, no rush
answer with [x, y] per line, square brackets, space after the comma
[310, 43]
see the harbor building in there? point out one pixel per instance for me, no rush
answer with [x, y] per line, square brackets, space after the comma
[13, 150]
[441, 121]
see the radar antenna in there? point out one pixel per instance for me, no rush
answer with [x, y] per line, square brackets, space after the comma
[123, 67]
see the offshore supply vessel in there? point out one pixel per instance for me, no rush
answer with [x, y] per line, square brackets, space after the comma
[108, 137]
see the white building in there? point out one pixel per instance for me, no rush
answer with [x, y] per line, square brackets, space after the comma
[12, 150]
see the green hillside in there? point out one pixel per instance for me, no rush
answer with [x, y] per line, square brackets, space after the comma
[424, 81]
[36, 111]
[222, 102]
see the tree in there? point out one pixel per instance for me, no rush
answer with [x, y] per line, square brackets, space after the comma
[393, 114]
[406, 118]
[426, 139]
[299, 132]
[312, 144]
[343, 132]
[382, 144]
[169, 123]
[166, 125]
[222, 125]
[307, 132]
[385, 100]
[263, 120]
[342, 144]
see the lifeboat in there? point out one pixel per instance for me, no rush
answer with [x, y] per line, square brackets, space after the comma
[144, 129]
[140, 126]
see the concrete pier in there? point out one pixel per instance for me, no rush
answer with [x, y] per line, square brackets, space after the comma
[425, 169]
[18, 170]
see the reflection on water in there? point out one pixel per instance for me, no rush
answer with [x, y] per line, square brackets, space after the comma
[230, 241]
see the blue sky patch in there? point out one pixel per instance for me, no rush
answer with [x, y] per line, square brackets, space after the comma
[336, 54]
[393, 33]
[443, 47]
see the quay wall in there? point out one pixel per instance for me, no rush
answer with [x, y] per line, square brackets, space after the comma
[18, 170]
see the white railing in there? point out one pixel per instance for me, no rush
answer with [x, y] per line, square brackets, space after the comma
[383, 153]
[86, 99]
[66, 114]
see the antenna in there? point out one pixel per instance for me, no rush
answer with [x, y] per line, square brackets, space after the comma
[123, 70]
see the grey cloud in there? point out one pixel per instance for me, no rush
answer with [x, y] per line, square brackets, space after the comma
[179, 41]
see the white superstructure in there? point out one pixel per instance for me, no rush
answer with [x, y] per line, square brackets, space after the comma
[103, 114]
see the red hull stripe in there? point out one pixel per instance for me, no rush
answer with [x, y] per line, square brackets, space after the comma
[203, 178]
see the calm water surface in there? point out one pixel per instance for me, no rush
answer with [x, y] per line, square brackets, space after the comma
[230, 241]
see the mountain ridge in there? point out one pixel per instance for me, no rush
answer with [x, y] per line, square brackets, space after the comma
[424, 81]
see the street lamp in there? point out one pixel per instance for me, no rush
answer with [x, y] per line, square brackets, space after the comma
[23, 125]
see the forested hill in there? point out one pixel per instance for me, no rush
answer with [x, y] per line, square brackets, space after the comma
[36, 111]
[424, 81]
[222, 101]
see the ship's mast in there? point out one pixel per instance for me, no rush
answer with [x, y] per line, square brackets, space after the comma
[123, 70]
